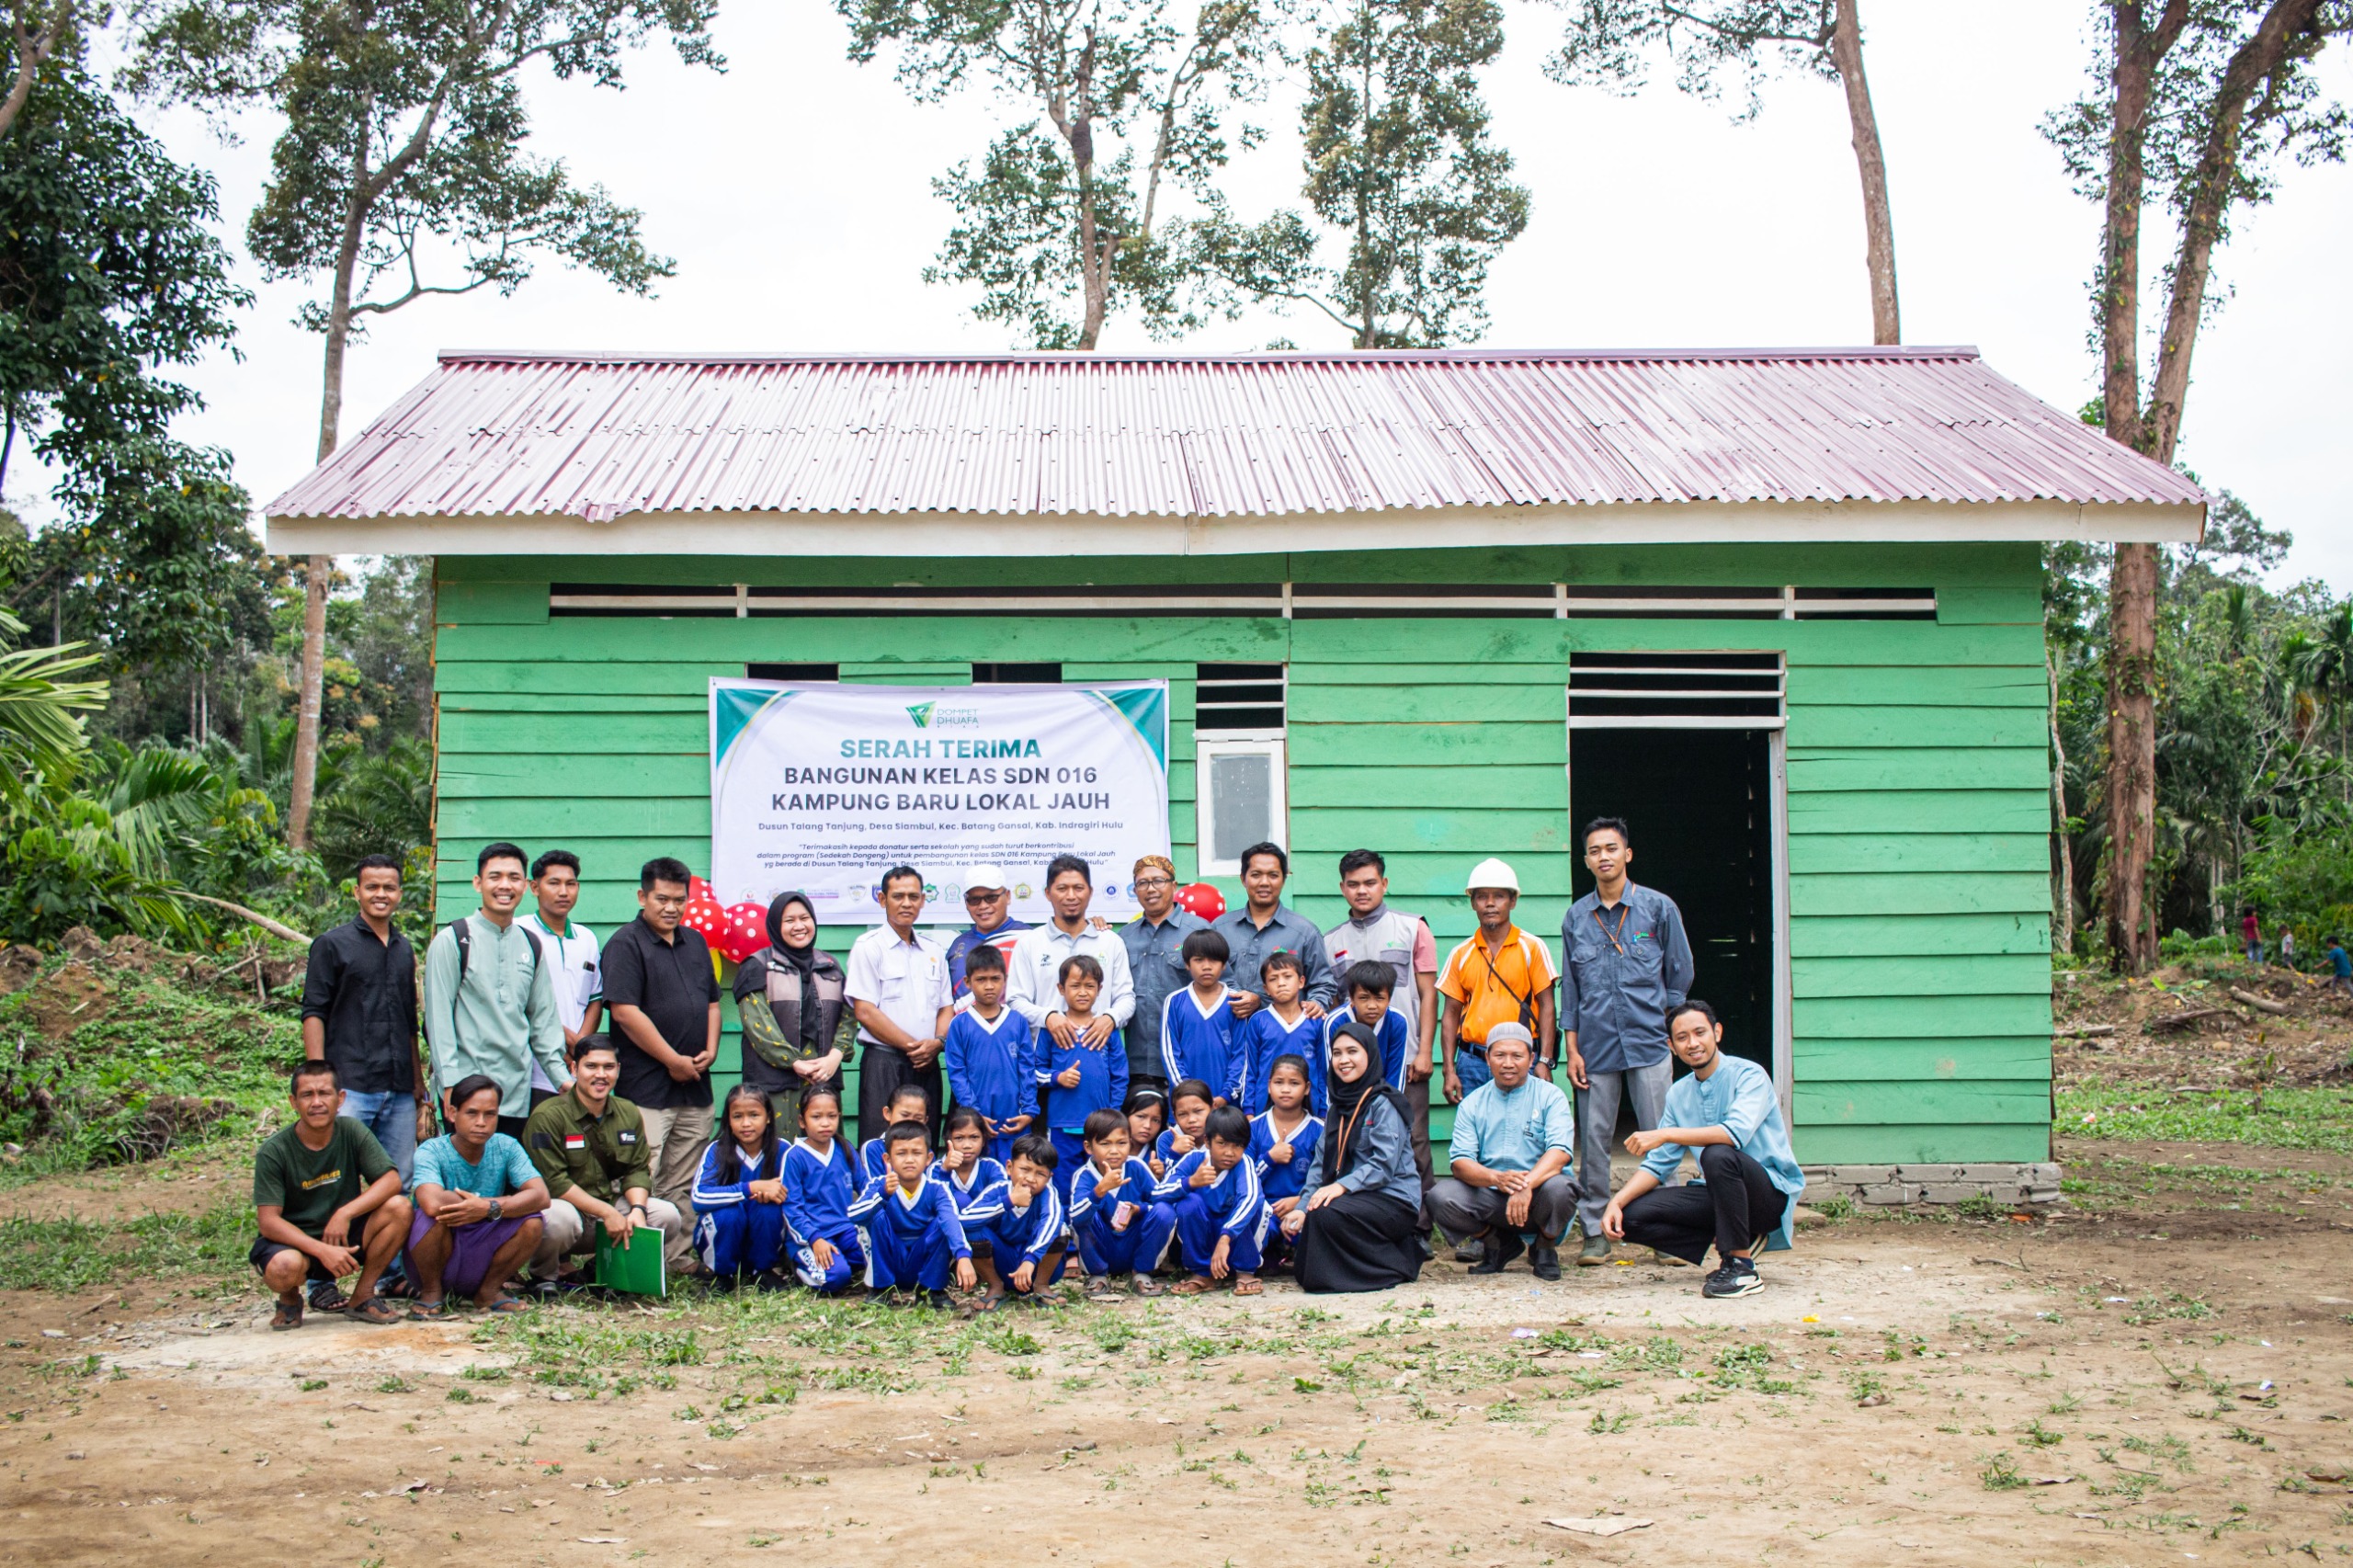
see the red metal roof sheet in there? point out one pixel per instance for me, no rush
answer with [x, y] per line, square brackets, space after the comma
[600, 435]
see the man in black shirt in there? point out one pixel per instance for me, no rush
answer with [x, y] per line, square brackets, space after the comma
[663, 1000]
[359, 1013]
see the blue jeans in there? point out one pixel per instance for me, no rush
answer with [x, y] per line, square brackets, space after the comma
[1472, 1069]
[392, 1117]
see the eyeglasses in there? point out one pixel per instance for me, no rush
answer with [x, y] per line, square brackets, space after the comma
[1155, 882]
[982, 895]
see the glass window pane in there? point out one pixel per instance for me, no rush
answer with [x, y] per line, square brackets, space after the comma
[1241, 803]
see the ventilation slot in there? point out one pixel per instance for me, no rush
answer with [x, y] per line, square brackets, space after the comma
[1691, 691]
[1016, 674]
[1238, 700]
[1443, 601]
[805, 675]
[744, 600]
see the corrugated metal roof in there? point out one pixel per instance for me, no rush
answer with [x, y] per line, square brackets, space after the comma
[601, 435]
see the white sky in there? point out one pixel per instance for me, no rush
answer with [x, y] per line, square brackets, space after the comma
[794, 193]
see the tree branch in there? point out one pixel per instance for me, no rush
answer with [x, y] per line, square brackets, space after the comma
[33, 49]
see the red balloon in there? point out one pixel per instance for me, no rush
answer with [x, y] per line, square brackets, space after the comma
[704, 916]
[746, 930]
[697, 888]
[1203, 900]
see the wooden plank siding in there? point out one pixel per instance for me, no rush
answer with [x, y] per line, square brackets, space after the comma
[1916, 806]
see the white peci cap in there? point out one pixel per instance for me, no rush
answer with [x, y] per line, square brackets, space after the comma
[984, 878]
[1492, 873]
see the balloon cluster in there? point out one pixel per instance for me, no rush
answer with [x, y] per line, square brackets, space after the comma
[1202, 899]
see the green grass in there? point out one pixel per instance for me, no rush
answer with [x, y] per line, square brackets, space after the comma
[2291, 1118]
[74, 1254]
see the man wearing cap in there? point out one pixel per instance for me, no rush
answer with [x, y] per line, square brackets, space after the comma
[1511, 1143]
[1626, 962]
[1502, 975]
[1154, 939]
[988, 900]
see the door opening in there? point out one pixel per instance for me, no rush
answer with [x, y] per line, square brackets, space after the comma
[1700, 804]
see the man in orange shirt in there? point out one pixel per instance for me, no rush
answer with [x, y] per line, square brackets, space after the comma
[1502, 975]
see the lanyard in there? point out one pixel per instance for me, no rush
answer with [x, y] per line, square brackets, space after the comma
[1624, 908]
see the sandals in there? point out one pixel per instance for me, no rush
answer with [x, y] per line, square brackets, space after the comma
[327, 1297]
[508, 1304]
[430, 1311]
[1102, 1289]
[1192, 1285]
[289, 1315]
[1249, 1287]
[373, 1311]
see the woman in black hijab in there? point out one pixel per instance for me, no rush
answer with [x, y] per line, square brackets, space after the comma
[790, 998]
[1357, 1228]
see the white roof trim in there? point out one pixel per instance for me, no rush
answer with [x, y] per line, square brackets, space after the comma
[956, 533]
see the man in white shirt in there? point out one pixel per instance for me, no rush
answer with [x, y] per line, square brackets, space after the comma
[898, 989]
[573, 958]
[1034, 972]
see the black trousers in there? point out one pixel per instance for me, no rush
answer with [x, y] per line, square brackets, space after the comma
[881, 1070]
[1734, 1204]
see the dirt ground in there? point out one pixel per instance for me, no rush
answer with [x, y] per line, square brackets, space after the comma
[2165, 1373]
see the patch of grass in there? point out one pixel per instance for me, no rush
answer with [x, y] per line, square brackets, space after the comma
[1837, 1206]
[2291, 1118]
[74, 1254]
[2173, 1304]
[2001, 1473]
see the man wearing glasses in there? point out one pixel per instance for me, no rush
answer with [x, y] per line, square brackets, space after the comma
[988, 901]
[1153, 940]
[1626, 964]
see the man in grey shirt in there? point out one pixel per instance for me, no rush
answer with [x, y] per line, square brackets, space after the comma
[1264, 926]
[1625, 961]
[1155, 940]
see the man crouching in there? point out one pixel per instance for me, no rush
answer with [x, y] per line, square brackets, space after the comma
[314, 1184]
[1726, 1113]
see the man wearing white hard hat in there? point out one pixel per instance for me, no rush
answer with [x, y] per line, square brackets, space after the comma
[988, 901]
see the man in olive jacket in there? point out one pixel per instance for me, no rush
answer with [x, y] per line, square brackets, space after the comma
[590, 1145]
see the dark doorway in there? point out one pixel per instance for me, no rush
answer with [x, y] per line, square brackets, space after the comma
[1701, 806]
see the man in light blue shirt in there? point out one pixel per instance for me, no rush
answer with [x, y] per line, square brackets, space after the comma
[1725, 1111]
[1512, 1138]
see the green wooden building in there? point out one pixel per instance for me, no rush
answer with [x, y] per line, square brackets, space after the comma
[1782, 611]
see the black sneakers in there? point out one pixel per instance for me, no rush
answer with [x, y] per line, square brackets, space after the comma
[1500, 1248]
[1736, 1278]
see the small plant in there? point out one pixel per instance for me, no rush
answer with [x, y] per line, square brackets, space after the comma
[2001, 1473]
[395, 1383]
[463, 1396]
[2043, 1436]
[1837, 1206]
[313, 1385]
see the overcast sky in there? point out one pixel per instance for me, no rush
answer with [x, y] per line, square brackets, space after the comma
[794, 192]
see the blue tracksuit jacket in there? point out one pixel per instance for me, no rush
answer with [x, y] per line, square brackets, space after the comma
[1194, 1043]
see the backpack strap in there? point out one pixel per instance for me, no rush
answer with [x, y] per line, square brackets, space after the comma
[461, 932]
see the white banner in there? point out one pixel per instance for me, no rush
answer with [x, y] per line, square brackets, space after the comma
[825, 787]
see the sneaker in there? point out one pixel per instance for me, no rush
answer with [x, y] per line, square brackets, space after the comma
[878, 1295]
[724, 1284]
[1669, 1260]
[940, 1300]
[1737, 1278]
[1545, 1258]
[1422, 1243]
[1471, 1251]
[769, 1283]
[1596, 1251]
[1498, 1251]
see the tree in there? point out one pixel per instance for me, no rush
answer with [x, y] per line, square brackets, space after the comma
[406, 139]
[1607, 43]
[1398, 162]
[1060, 231]
[2208, 97]
[40, 31]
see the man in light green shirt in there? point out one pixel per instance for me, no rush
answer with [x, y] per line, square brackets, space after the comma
[492, 1009]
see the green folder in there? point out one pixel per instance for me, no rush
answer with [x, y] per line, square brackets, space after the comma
[634, 1268]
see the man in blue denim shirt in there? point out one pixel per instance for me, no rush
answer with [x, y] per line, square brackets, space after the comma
[1155, 940]
[1725, 1110]
[1625, 961]
[1265, 924]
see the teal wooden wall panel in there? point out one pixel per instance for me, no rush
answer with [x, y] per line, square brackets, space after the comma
[1916, 769]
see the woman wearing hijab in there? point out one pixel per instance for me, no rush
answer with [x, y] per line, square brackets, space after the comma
[1357, 1229]
[790, 998]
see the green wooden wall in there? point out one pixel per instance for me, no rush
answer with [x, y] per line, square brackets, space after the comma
[1917, 782]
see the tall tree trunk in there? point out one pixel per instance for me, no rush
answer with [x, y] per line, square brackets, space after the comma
[2132, 579]
[1870, 163]
[2063, 929]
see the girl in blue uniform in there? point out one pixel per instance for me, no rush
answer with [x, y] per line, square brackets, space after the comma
[987, 1053]
[1147, 1112]
[909, 1102]
[1188, 1106]
[963, 1168]
[819, 1187]
[1283, 1140]
[739, 1196]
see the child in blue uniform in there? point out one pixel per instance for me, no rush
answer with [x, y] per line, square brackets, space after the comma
[912, 1232]
[1015, 1227]
[1282, 1028]
[818, 1187]
[1368, 984]
[987, 1054]
[1119, 1228]
[1212, 1197]
[1283, 1140]
[963, 1168]
[908, 1103]
[1188, 1107]
[1075, 1081]
[1147, 1113]
[739, 1196]
[1198, 1033]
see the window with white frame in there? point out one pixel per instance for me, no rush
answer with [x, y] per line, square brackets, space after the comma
[1239, 788]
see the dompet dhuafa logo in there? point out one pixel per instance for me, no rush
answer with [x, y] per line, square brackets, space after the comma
[921, 713]
[932, 716]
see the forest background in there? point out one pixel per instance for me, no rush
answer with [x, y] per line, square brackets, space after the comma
[201, 739]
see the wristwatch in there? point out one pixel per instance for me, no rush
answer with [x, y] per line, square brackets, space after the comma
[497, 1211]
